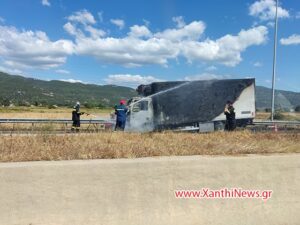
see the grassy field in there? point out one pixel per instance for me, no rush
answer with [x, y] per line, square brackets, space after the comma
[290, 116]
[131, 145]
[45, 113]
[134, 145]
[65, 113]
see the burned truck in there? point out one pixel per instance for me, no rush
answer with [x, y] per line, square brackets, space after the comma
[197, 105]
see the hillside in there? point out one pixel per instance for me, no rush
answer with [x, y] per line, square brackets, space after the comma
[283, 99]
[23, 91]
[28, 91]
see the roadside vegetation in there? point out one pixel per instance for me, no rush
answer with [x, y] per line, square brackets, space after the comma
[42, 145]
[288, 116]
[110, 145]
[46, 113]
[65, 112]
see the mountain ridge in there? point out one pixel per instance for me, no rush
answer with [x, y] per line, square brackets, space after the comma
[19, 90]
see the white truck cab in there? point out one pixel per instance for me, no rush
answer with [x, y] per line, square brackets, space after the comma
[140, 115]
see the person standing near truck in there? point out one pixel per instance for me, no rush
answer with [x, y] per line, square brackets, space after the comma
[230, 116]
[120, 111]
[76, 117]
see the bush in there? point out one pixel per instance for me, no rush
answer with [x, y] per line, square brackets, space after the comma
[6, 102]
[260, 110]
[88, 105]
[52, 106]
[268, 110]
[279, 116]
[23, 103]
[297, 109]
[101, 106]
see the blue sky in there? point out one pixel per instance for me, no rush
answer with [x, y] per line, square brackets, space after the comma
[132, 42]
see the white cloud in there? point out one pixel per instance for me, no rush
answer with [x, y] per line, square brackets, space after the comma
[265, 10]
[226, 50]
[11, 71]
[139, 31]
[257, 64]
[62, 71]
[291, 40]
[211, 68]
[130, 80]
[268, 81]
[143, 47]
[83, 19]
[136, 52]
[95, 33]
[191, 31]
[179, 20]
[83, 16]
[127, 51]
[297, 15]
[46, 3]
[72, 30]
[206, 76]
[32, 49]
[72, 81]
[119, 23]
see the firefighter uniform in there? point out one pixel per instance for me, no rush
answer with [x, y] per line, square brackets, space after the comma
[76, 117]
[230, 118]
[120, 112]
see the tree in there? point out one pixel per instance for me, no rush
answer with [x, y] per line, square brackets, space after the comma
[279, 116]
[101, 106]
[89, 105]
[297, 109]
[268, 110]
[6, 102]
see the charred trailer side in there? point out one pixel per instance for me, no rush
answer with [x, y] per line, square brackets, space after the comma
[191, 103]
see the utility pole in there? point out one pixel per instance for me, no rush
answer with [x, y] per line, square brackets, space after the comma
[274, 62]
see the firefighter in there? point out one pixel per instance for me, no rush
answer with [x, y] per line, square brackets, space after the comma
[120, 112]
[230, 116]
[76, 117]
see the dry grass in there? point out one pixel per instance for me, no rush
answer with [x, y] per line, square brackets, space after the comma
[65, 113]
[45, 113]
[49, 115]
[292, 116]
[48, 127]
[134, 145]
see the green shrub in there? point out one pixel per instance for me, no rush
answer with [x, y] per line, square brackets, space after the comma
[52, 106]
[279, 116]
[268, 110]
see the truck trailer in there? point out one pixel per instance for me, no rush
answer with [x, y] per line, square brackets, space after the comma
[191, 105]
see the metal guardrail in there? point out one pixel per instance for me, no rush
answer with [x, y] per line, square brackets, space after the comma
[91, 124]
[96, 124]
[85, 121]
[62, 121]
[278, 122]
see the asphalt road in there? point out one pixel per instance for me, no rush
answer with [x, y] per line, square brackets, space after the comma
[141, 191]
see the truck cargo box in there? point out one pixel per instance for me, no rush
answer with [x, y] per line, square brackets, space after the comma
[182, 103]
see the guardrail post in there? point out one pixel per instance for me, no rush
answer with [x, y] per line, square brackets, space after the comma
[275, 128]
